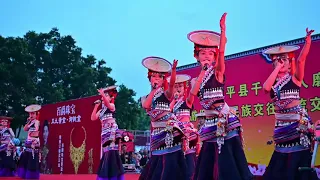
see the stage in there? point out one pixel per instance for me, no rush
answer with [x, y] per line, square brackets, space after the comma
[128, 176]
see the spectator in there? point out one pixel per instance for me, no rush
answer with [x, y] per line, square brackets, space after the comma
[144, 159]
[138, 156]
[126, 157]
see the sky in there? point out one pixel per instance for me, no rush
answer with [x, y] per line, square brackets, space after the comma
[124, 32]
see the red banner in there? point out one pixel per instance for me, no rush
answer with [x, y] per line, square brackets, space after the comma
[71, 141]
[245, 75]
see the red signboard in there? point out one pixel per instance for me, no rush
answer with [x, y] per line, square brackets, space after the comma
[73, 140]
[245, 75]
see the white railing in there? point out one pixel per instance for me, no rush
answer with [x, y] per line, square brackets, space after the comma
[140, 133]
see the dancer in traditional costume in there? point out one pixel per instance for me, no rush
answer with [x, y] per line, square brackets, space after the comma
[110, 164]
[182, 105]
[167, 159]
[7, 149]
[222, 155]
[293, 128]
[29, 165]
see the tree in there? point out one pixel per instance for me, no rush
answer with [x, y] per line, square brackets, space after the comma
[47, 68]
[63, 73]
[129, 114]
[144, 120]
[17, 78]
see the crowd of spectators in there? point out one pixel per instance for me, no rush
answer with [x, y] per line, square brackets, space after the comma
[139, 159]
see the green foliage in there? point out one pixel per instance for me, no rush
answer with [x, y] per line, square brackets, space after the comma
[129, 114]
[47, 68]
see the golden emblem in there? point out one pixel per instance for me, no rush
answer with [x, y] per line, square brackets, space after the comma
[77, 153]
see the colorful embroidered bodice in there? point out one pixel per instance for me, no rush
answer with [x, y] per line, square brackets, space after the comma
[5, 134]
[160, 104]
[106, 114]
[166, 130]
[181, 109]
[32, 130]
[32, 127]
[211, 90]
[284, 91]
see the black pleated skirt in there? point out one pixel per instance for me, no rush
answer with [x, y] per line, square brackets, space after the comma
[110, 167]
[285, 166]
[230, 164]
[171, 166]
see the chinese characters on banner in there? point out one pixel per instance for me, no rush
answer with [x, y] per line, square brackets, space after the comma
[66, 114]
[262, 109]
[60, 154]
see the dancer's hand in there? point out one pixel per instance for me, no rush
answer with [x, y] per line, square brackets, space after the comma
[31, 123]
[97, 102]
[175, 63]
[308, 36]
[223, 22]
[279, 64]
[101, 91]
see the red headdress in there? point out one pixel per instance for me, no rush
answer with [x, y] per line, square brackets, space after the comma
[34, 108]
[112, 92]
[182, 78]
[204, 39]
[157, 65]
[163, 75]
[290, 50]
[5, 121]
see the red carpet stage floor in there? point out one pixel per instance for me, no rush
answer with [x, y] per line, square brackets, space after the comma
[82, 177]
[74, 177]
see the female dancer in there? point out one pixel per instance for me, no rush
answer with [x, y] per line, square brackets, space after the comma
[221, 156]
[293, 129]
[7, 149]
[110, 164]
[167, 158]
[29, 161]
[182, 105]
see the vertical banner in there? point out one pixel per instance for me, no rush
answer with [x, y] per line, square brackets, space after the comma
[70, 141]
[245, 75]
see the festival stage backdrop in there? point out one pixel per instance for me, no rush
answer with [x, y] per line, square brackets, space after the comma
[71, 145]
[245, 75]
[71, 141]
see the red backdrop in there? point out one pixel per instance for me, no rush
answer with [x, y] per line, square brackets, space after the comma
[245, 75]
[73, 115]
[64, 117]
